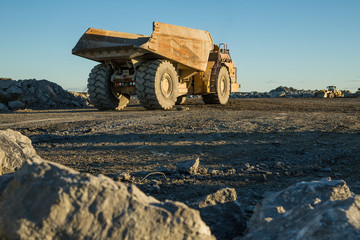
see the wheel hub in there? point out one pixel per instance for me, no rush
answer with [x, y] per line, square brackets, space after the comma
[223, 85]
[166, 85]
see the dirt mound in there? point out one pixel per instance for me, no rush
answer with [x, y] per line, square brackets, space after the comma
[37, 94]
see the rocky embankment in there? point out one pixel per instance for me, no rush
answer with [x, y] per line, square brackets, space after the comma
[285, 92]
[37, 94]
[43, 94]
[40, 198]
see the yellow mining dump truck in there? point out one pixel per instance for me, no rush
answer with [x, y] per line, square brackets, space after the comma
[160, 69]
[330, 92]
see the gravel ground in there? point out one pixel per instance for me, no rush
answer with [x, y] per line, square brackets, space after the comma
[256, 146]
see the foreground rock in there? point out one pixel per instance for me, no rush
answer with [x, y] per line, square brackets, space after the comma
[37, 94]
[309, 210]
[48, 199]
[15, 148]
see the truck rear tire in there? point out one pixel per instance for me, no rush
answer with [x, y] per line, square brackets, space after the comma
[157, 84]
[223, 87]
[101, 91]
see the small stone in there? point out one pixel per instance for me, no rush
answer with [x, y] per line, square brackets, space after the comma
[189, 166]
[231, 171]
[221, 196]
[280, 165]
[155, 182]
[203, 170]
[214, 172]
[264, 177]
[182, 108]
[123, 176]
[245, 166]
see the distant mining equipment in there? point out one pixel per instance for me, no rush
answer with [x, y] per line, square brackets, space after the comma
[329, 92]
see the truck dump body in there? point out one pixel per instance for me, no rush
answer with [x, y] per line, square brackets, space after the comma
[187, 46]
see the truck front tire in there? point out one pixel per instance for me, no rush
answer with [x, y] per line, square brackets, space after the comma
[101, 92]
[157, 84]
[223, 87]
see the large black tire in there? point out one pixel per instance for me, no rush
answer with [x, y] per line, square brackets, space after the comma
[101, 91]
[157, 84]
[223, 87]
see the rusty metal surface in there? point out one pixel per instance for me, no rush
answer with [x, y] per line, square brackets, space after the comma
[190, 47]
[103, 45]
[98, 38]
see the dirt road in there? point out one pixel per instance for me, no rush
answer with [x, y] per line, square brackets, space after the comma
[254, 145]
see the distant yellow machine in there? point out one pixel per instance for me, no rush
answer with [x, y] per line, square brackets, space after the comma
[330, 92]
[160, 69]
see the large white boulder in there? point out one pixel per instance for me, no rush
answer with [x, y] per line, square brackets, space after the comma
[15, 148]
[308, 210]
[49, 201]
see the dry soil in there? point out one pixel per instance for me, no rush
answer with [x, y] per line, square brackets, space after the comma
[257, 146]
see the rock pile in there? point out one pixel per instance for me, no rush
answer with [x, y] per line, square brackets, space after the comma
[291, 92]
[285, 92]
[277, 92]
[36, 94]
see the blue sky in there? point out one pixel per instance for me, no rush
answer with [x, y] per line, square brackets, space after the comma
[306, 44]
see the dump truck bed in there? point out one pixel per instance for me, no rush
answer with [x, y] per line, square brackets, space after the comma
[187, 46]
